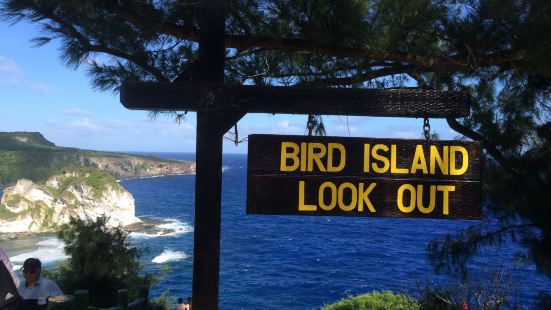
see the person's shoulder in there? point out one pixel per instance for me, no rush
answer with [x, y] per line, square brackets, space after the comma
[45, 281]
[51, 286]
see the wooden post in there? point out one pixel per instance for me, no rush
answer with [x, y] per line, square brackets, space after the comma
[143, 292]
[122, 298]
[208, 180]
[82, 299]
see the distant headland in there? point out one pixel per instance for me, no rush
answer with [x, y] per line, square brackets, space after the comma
[28, 155]
[47, 185]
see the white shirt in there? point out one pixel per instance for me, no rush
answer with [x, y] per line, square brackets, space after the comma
[43, 289]
[6, 260]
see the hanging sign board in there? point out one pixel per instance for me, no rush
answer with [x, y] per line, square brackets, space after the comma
[304, 175]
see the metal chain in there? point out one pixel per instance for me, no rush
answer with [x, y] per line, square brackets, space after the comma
[310, 124]
[426, 128]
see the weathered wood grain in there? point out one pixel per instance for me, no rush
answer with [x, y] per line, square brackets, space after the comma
[294, 100]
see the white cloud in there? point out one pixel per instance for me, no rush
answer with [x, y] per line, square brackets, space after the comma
[9, 66]
[86, 125]
[287, 127]
[399, 131]
[166, 127]
[343, 126]
[115, 124]
[11, 74]
[81, 127]
[11, 80]
[44, 88]
[77, 112]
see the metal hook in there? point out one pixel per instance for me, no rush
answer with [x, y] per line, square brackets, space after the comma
[426, 128]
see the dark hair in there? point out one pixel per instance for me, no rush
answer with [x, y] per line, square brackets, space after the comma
[32, 264]
[180, 300]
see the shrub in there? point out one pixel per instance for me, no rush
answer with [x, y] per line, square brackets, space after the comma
[376, 301]
[101, 260]
[437, 298]
[493, 289]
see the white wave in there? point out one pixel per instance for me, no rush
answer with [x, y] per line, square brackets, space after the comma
[143, 235]
[225, 168]
[177, 226]
[169, 256]
[169, 228]
[49, 250]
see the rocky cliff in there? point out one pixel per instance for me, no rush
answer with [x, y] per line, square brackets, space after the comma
[127, 167]
[83, 193]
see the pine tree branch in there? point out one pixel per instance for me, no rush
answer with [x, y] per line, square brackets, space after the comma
[88, 46]
[186, 32]
[487, 144]
[429, 63]
[360, 77]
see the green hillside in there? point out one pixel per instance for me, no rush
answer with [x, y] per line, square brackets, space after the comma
[31, 156]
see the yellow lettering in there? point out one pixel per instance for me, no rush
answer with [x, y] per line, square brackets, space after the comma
[464, 165]
[321, 196]
[292, 155]
[442, 161]
[363, 197]
[445, 189]
[432, 199]
[366, 157]
[301, 205]
[314, 156]
[303, 157]
[393, 168]
[400, 199]
[353, 196]
[331, 148]
[419, 161]
[377, 156]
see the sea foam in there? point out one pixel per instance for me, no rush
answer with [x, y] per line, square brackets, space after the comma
[49, 250]
[169, 256]
[177, 226]
[167, 228]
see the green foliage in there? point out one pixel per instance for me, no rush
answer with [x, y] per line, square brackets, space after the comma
[15, 200]
[163, 302]
[376, 301]
[437, 298]
[97, 179]
[6, 214]
[100, 181]
[101, 259]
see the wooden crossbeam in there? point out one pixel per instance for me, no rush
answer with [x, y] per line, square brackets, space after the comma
[405, 102]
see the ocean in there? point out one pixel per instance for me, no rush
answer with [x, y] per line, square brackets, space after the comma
[289, 262]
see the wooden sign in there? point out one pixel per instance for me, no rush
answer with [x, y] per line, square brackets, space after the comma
[302, 175]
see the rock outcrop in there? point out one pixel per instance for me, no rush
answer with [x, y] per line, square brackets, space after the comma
[86, 193]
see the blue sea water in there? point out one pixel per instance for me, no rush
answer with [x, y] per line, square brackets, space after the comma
[289, 262]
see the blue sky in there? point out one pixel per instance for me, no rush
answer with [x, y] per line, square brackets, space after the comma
[39, 93]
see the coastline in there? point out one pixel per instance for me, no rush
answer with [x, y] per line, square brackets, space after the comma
[154, 176]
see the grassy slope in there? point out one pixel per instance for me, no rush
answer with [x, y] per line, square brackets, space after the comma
[29, 155]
